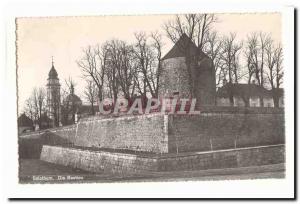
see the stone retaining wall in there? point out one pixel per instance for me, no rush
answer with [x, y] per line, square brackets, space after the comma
[139, 133]
[215, 131]
[98, 161]
[232, 158]
[159, 133]
[109, 162]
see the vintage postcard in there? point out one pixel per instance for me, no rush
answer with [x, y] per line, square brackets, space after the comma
[183, 97]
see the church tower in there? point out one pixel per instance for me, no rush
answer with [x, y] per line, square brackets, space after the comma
[53, 96]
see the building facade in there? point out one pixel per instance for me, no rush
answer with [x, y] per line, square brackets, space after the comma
[246, 95]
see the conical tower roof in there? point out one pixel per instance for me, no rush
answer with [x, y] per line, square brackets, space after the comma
[181, 47]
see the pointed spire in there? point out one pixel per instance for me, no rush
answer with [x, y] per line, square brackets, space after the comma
[52, 74]
[52, 62]
[72, 89]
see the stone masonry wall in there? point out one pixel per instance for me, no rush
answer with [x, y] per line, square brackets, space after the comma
[174, 78]
[98, 161]
[120, 163]
[231, 158]
[158, 133]
[139, 133]
[213, 131]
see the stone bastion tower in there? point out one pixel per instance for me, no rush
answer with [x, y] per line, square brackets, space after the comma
[188, 72]
[53, 97]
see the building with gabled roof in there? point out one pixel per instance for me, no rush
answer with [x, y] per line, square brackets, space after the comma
[24, 123]
[248, 95]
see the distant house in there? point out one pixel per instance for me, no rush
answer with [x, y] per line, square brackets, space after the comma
[44, 122]
[277, 94]
[25, 124]
[247, 95]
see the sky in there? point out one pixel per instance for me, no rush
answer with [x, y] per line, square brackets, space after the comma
[40, 38]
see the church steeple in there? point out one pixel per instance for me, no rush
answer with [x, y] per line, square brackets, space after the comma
[53, 95]
[53, 73]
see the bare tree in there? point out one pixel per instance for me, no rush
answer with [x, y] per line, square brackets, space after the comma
[70, 84]
[69, 101]
[90, 93]
[275, 73]
[248, 59]
[41, 97]
[256, 48]
[29, 109]
[196, 26]
[230, 57]
[93, 65]
[148, 61]
[37, 104]
[157, 46]
[279, 69]
[120, 65]
[65, 108]
[110, 71]
[213, 49]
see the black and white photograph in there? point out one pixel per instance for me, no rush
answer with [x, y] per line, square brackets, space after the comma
[153, 98]
[172, 98]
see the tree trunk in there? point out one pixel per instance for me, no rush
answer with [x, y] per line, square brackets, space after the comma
[231, 99]
[261, 101]
[93, 110]
[276, 101]
[246, 101]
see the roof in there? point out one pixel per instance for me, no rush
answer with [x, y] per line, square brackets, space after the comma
[44, 118]
[249, 90]
[53, 73]
[72, 98]
[181, 46]
[277, 91]
[24, 120]
[88, 109]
